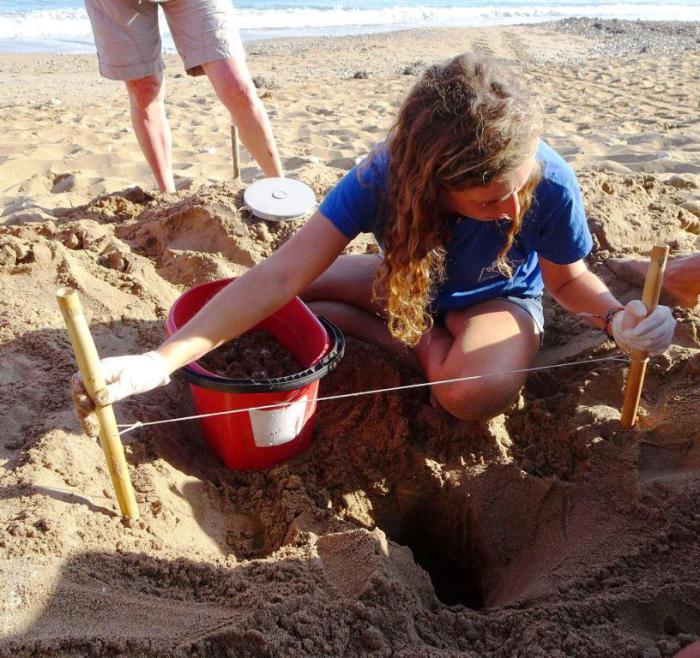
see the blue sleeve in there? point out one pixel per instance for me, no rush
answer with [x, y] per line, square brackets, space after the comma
[564, 237]
[353, 203]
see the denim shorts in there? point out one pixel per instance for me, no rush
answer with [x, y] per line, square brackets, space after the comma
[531, 305]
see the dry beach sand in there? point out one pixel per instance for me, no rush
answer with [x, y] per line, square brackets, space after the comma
[547, 532]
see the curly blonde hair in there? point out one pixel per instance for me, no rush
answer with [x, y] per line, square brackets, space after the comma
[464, 124]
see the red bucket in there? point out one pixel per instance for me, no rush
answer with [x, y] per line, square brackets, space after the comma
[260, 438]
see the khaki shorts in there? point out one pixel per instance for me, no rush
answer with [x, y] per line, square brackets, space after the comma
[128, 39]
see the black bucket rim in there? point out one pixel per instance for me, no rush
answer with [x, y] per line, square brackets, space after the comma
[326, 364]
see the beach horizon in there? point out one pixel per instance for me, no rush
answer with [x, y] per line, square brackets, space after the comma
[62, 26]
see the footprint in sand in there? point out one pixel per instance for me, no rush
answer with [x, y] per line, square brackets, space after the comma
[322, 111]
[63, 183]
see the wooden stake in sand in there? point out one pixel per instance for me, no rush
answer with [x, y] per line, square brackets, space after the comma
[235, 154]
[88, 363]
[638, 367]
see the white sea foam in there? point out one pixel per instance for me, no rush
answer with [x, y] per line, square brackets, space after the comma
[69, 29]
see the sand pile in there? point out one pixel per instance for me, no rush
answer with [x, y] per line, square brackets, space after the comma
[546, 532]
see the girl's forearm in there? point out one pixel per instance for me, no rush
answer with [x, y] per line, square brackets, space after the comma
[587, 295]
[235, 309]
[258, 293]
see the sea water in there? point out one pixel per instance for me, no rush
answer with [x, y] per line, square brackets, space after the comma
[63, 25]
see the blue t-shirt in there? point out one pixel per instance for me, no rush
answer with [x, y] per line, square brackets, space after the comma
[555, 227]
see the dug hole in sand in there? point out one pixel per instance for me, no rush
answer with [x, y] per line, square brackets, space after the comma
[547, 531]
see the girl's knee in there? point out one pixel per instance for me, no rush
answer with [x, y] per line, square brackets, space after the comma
[475, 401]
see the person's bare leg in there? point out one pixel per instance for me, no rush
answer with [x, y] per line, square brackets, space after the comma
[147, 100]
[233, 85]
[366, 326]
[492, 337]
[681, 279]
[495, 336]
[343, 294]
[691, 651]
[349, 279]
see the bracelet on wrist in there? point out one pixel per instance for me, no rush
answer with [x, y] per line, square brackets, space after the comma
[607, 320]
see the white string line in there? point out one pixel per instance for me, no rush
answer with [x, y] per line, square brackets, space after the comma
[342, 396]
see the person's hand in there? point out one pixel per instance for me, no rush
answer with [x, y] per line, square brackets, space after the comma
[634, 330]
[84, 407]
[124, 376]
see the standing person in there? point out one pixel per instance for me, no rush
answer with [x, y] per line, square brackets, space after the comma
[681, 278]
[127, 37]
[474, 214]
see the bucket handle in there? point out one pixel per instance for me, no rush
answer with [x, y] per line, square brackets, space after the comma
[326, 364]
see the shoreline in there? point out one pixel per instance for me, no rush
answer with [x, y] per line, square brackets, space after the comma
[636, 30]
[61, 117]
[602, 38]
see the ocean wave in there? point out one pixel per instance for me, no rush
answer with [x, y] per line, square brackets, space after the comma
[448, 16]
[72, 25]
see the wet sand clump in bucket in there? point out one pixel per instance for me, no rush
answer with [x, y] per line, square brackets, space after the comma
[255, 355]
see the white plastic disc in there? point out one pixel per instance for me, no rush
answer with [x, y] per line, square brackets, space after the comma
[279, 199]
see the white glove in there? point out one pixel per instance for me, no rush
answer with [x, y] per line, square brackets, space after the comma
[129, 375]
[634, 330]
[124, 376]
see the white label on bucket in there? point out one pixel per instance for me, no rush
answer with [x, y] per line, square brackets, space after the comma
[273, 427]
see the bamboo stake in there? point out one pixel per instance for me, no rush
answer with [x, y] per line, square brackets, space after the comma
[88, 363]
[235, 153]
[638, 367]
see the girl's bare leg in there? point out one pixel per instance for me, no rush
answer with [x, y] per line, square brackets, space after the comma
[365, 326]
[343, 294]
[348, 280]
[491, 337]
